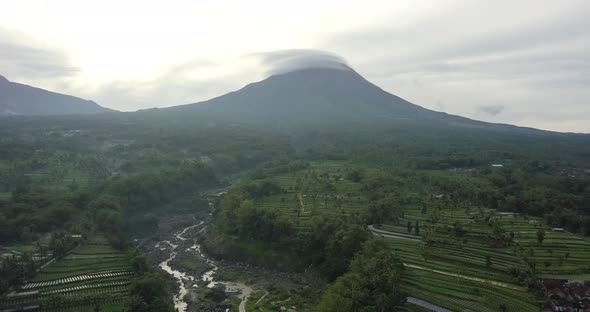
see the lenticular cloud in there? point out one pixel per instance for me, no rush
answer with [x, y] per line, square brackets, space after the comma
[284, 61]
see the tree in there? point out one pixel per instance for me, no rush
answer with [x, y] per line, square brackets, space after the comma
[417, 228]
[354, 175]
[540, 236]
[149, 293]
[341, 248]
[217, 293]
[140, 264]
[409, 226]
[424, 209]
[488, 261]
[372, 284]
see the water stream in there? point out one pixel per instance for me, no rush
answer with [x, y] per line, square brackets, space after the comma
[241, 290]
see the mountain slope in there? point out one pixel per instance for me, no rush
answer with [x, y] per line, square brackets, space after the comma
[309, 94]
[322, 96]
[20, 99]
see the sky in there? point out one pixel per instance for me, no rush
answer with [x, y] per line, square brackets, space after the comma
[520, 62]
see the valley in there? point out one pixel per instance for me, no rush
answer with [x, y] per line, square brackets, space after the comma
[311, 190]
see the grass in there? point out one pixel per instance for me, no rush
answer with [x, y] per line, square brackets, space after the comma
[192, 264]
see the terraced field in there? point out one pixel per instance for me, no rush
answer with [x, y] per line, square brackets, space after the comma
[320, 188]
[93, 274]
[468, 273]
[458, 273]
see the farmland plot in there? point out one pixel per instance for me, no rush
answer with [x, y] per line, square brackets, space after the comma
[92, 275]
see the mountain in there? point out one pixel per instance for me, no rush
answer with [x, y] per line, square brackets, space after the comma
[315, 93]
[20, 99]
[325, 96]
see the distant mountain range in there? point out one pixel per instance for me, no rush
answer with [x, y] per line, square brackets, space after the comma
[20, 99]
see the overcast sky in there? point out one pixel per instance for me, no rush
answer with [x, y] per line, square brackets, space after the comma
[520, 62]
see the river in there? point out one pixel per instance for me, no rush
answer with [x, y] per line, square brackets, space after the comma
[242, 291]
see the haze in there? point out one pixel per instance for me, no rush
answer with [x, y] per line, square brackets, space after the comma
[525, 63]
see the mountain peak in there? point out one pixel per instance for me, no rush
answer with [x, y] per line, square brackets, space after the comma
[309, 92]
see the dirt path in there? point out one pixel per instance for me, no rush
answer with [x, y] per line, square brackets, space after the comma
[415, 238]
[301, 203]
[465, 277]
[265, 293]
[388, 234]
[246, 292]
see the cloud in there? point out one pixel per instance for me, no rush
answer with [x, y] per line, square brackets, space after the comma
[23, 60]
[536, 62]
[284, 61]
[492, 110]
[200, 79]
[187, 82]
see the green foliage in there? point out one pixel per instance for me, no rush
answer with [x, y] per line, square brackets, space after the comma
[240, 217]
[259, 189]
[330, 243]
[149, 293]
[355, 175]
[340, 249]
[140, 264]
[216, 293]
[371, 285]
[279, 166]
[540, 236]
[121, 172]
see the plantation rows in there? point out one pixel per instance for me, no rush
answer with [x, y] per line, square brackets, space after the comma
[559, 253]
[93, 274]
[464, 295]
[106, 301]
[80, 278]
[94, 288]
[319, 189]
[472, 255]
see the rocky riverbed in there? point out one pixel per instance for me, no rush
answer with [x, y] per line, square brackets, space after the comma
[179, 254]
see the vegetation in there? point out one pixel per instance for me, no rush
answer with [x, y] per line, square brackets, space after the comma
[465, 233]
[373, 283]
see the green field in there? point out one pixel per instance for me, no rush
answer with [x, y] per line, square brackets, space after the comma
[461, 272]
[93, 274]
[467, 273]
[321, 188]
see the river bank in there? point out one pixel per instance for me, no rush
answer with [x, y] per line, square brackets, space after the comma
[178, 254]
[207, 284]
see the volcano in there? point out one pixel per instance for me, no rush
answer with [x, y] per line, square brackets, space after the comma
[320, 96]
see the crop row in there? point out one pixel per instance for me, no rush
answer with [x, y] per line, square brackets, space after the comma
[78, 278]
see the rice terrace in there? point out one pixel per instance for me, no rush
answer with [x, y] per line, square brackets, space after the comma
[92, 274]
